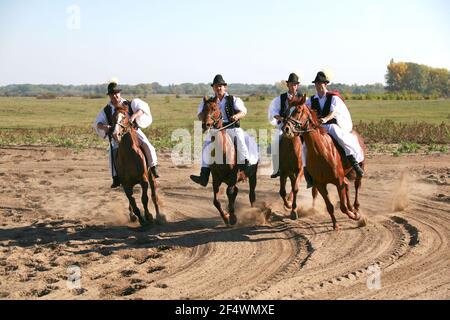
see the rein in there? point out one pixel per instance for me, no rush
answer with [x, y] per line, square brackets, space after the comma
[297, 125]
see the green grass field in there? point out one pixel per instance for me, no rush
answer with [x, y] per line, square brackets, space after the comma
[68, 121]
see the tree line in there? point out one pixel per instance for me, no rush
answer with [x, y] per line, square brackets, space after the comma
[417, 78]
[404, 80]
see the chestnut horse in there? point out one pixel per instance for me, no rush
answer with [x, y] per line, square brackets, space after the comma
[290, 152]
[224, 169]
[131, 167]
[324, 161]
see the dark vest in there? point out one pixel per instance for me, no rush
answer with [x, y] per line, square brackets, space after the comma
[315, 105]
[109, 115]
[230, 111]
[284, 108]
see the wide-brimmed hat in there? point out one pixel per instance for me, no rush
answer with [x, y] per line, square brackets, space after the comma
[113, 88]
[218, 79]
[293, 78]
[321, 77]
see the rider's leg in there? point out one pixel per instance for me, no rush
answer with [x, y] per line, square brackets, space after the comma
[150, 153]
[308, 177]
[275, 151]
[203, 178]
[112, 167]
[350, 145]
[243, 155]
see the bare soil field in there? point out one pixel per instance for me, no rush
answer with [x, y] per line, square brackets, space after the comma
[57, 211]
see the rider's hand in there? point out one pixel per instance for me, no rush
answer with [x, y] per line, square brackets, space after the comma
[279, 118]
[106, 128]
[322, 120]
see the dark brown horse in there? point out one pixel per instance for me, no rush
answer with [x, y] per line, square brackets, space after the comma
[224, 169]
[131, 167]
[290, 163]
[324, 161]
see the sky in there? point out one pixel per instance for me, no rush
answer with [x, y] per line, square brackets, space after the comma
[247, 41]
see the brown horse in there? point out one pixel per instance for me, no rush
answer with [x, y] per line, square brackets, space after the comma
[290, 151]
[224, 169]
[132, 168]
[324, 161]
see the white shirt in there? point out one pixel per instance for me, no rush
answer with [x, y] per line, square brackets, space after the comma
[275, 109]
[238, 106]
[343, 118]
[136, 104]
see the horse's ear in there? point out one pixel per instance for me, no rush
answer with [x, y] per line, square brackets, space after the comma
[205, 99]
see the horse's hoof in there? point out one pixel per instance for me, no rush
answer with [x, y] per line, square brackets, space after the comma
[149, 217]
[161, 219]
[133, 218]
[233, 219]
[336, 227]
[362, 222]
[294, 215]
[226, 220]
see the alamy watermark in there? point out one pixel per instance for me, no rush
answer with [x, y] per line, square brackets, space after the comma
[200, 148]
[73, 277]
[374, 277]
[73, 21]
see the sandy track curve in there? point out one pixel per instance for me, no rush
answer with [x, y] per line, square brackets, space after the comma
[56, 211]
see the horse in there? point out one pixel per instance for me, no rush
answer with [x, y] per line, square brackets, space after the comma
[324, 160]
[131, 166]
[225, 168]
[290, 151]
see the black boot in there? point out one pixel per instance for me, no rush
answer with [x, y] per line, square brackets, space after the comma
[275, 175]
[154, 171]
[203, 178]
[116, 182]
[359, 171]
[308, 178]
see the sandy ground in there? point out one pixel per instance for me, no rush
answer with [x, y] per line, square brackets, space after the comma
[57, 211]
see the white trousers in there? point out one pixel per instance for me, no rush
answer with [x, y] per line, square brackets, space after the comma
[148, 148]
[242, 150]
[346, 140]
[275, 149]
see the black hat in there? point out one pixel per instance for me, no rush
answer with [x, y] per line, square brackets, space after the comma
[218, 80]
[293, 78]
[321, 77]
[113, 88]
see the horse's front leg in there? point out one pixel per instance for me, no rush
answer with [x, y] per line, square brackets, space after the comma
[357, 186]
[144, 200]
[322, 188]
[342, 189]
[232, 192]
[129, 193]
[283, 179]
[225, 216]
[295, 180]
[160, 217]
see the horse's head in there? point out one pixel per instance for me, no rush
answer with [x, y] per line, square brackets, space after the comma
[301, 119]
[211, 115]
[121, 122]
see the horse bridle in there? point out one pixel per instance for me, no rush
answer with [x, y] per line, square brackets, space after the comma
[300, 128]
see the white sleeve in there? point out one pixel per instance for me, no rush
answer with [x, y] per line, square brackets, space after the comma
[146, 119]
[308, 102]
[239, 105]
[274, 110]
[101, 118]
[200, 108]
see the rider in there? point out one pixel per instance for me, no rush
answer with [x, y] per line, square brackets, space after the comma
[232, 109]
[278, 110]
[139, 113]
[334, 116]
